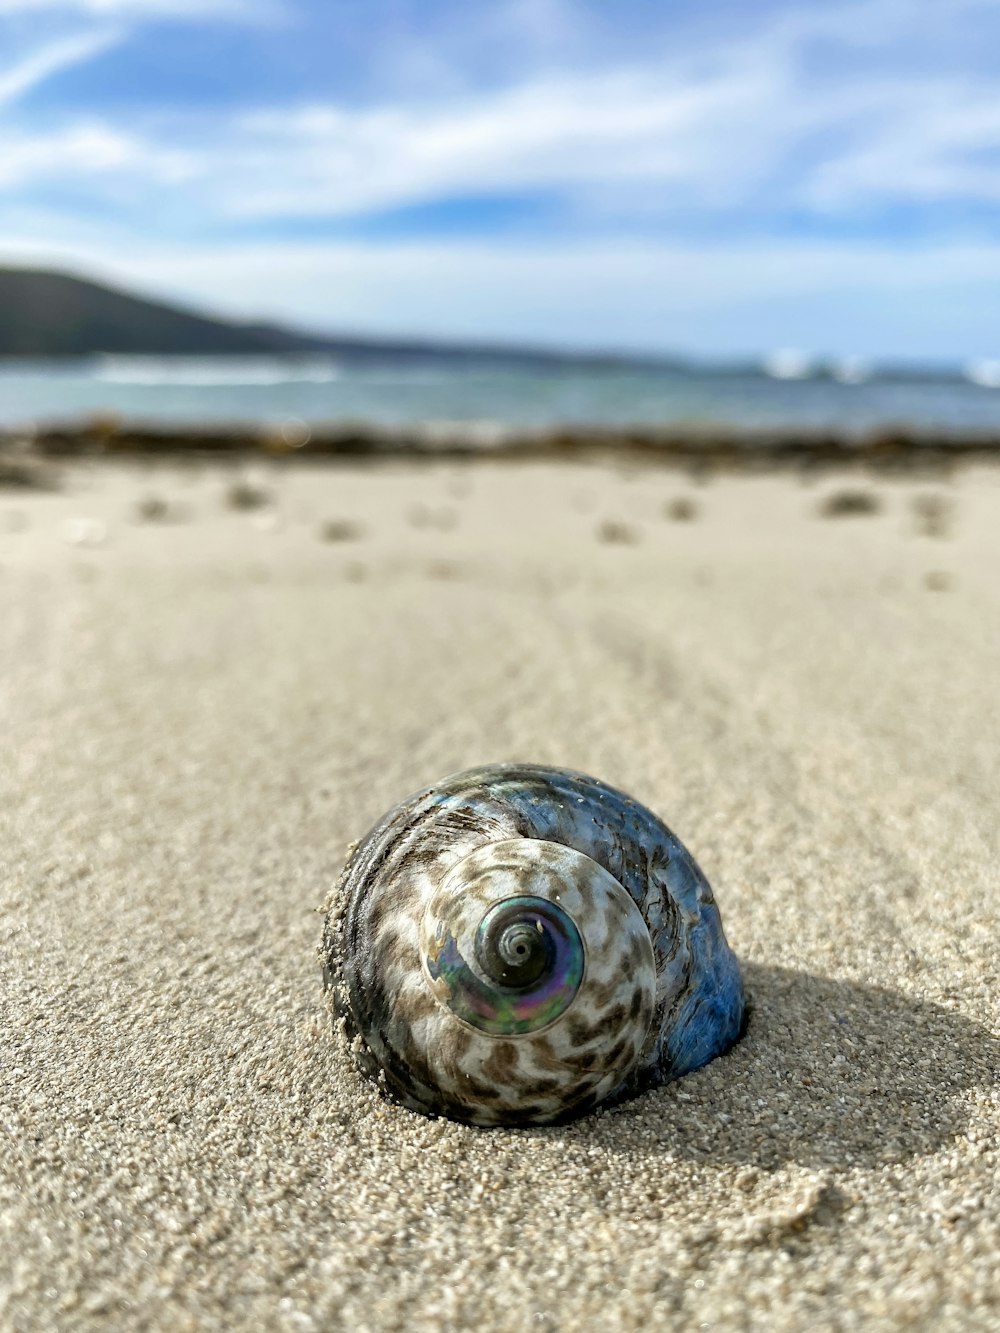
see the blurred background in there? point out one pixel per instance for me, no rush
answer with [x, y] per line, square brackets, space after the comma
[523, 211]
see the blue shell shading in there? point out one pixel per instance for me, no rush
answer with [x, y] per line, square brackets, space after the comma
[700, 1004]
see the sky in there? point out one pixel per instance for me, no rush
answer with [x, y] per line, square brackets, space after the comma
[710, 177]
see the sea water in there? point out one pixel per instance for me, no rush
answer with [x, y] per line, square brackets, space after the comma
[320, 390]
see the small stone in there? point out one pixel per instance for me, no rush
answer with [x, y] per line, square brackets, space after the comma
[682, 509]
[937, 580]
[84, 531]
[340, 530]
[933, 514]
[850, 504]
[615, 532]
[247, 494]
[153, 509]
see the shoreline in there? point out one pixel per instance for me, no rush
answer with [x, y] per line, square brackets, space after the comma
[712, 446]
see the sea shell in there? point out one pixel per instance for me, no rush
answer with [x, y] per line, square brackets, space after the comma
[518, 944]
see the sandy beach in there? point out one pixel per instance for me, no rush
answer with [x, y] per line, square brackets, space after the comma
[212, 683]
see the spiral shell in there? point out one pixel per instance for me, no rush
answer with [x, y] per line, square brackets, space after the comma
[518, 944]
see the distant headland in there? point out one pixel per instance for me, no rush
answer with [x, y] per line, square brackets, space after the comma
[49, 314]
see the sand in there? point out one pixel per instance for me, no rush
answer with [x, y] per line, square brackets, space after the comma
[201, 706]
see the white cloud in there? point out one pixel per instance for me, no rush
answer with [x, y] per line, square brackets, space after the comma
[620, 130]
[62, 53]
[742, 127]
[186, 9]
[88, 150]
[50, 59]
[615, 129]
[934, 140]
[754, 124]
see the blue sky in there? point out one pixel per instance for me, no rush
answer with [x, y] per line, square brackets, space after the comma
[713, 176]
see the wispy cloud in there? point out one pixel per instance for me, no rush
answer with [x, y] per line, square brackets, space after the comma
[186, 9]
[618, 128]
[336, 161]
[748, 126]
[929, 141]
[658, 141]
[90, 152]
[50, 59]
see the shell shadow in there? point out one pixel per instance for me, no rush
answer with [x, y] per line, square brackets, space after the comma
[828, 1074]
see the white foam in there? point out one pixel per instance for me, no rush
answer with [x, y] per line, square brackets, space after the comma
[851, 370]
[787, 363]
[213, 371]
[985, 373]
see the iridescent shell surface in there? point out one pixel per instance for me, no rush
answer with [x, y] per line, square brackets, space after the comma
[518, 944]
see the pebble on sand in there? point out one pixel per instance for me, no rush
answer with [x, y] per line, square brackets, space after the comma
[83, 531]
[615, 532]
[934, 514]
[681, 509]
[248, 494]
[340, 530]
[850, 504]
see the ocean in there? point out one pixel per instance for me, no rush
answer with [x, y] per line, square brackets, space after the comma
[314, 390]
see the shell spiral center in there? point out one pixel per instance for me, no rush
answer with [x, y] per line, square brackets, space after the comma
[527, 966]
[515, 929]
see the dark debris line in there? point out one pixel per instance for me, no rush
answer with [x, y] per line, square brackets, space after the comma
[721, 447]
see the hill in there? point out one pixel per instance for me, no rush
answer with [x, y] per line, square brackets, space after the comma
[51, 314]
[57, 315]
